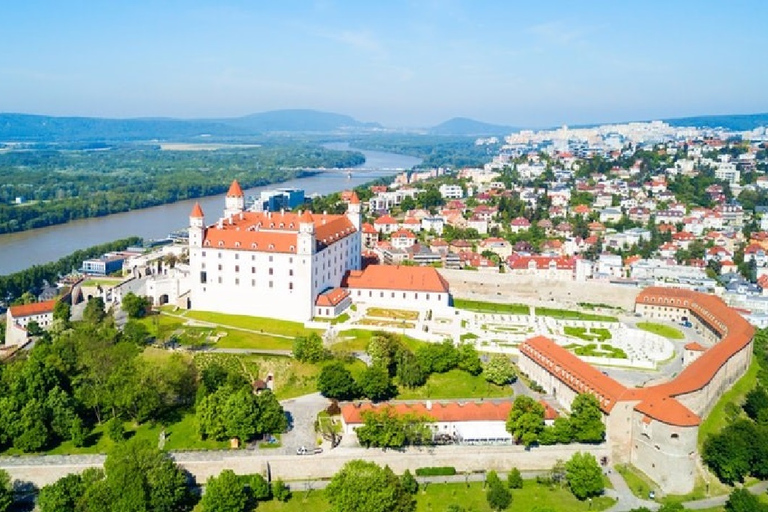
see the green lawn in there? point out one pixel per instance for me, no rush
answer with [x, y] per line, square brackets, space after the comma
[437, 497]
[662, 330]
[596, 334]
[491, 307]
[396, 314]
[717, 419]
[639, 483]
[356, 340]
[162, 326]
[102, 282]
[266, 325]
[455, 384]
[569, 314]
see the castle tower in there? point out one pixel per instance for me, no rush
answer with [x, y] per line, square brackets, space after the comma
[196, 226]
[235, 200]
[305, 240]
[354, 213]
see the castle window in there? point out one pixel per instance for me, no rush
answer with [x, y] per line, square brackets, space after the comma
[290, 286]
[270, 258]
[219, 253]
[219, 266]
[271, 271]
[253, 282]
[253, 270]
[675, 436]
[237, 281]
[290, 272]
[271, 284]
[219, 280]
[203, 254]
[203, 277]
[237, 268]
[237, 256]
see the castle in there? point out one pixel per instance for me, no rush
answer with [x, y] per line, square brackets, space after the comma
[270, 264]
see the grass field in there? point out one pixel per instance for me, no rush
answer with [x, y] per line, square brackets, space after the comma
[717, 419]
[574, 315]
[455, 384]
[356, 340]
[437, 498]
[662, 330]
[491, 307]
[266, 325]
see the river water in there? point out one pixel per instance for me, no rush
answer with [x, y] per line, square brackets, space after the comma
[22, 250]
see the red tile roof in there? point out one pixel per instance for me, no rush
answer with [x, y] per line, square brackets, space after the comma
[197, 211]
[235, 190]
[368, 228]
[331, 297]
[438, 411]
[274, 232]
[36, 308]
[387, 277]
[657, 402]
[385, 219]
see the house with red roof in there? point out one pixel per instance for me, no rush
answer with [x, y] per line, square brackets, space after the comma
[370, 235]
[461, 422]
[402, 239]
[400, 287]
[519, 224]
[386, 224]
[412, 224]
[18, 319]
[332, 303]
[549, 267]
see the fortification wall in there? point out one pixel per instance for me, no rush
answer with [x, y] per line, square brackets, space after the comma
[537, 290]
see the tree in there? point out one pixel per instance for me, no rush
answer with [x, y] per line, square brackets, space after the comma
[386, 428]
[281, 491]
[409, 371]
[584, 476]
[6, 491]
[115, 430]
[497, 494]
[586, 419]
[741, 500]
[94, 311]
[224, 493]
[61, 311]
[260, 488]
[515, 479]
[135, 332]
[309, 349]
[362, 486]
[374, 383]
[135, 306]
[140, 477]
[755, 401]
[526, 420]
[499, 370]
[383, 349]
[469, 359]
[272, 418]
[409, 483]
[728, 453]
[241, 414]
[438, 357]
[335, 381]
[62, 495]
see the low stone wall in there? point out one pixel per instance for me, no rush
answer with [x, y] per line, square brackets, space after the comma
[45, 470]
[537, 291]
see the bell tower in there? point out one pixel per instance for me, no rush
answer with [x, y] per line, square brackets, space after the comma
[235, 200]
[196, 226]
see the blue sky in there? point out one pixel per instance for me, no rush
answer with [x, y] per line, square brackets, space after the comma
[398, 62]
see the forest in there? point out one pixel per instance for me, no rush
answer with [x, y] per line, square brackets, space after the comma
[436, 151]
[59, 185]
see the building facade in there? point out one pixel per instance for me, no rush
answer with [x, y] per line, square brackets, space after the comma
[656, 427]
[270, 264]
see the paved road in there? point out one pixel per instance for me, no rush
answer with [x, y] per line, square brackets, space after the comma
[302, 413]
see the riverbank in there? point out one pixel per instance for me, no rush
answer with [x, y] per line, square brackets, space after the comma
[19, 251]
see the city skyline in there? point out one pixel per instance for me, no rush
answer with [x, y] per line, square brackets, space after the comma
[401, 64]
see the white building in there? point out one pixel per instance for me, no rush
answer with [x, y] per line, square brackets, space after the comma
[398, 287]
[270, 264]
[19, 317]
[451, 191]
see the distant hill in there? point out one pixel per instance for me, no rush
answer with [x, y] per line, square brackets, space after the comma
[732, 122]
[36, 128]
[297, 121]
[26, 127]
[465, 126]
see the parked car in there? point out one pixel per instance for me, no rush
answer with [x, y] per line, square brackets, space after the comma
[303, 450]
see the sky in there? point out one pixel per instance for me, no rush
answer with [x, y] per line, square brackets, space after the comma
[398, 62]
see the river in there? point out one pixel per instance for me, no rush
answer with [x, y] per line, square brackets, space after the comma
[22, 250]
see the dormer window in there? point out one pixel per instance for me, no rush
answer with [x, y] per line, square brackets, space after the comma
[292, 248]
[254, 245]
[271, 246]
[282, 225]
[237, 244]
[221, 243]
[207, 243]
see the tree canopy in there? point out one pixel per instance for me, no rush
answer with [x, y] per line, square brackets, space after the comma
[584, 476]
[363, 486]
[526, 420]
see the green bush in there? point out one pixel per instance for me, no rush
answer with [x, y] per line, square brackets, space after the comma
[436, 471]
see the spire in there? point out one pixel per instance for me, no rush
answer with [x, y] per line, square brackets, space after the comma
[235, 190]
[306, 218]
[197, 211]
[353, 199]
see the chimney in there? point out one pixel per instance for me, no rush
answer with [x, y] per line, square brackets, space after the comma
[429, 405]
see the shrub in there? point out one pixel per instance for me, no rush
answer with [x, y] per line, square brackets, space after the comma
[515, 479]
[436, 471]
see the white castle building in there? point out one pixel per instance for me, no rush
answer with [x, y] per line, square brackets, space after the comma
[270, 264]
